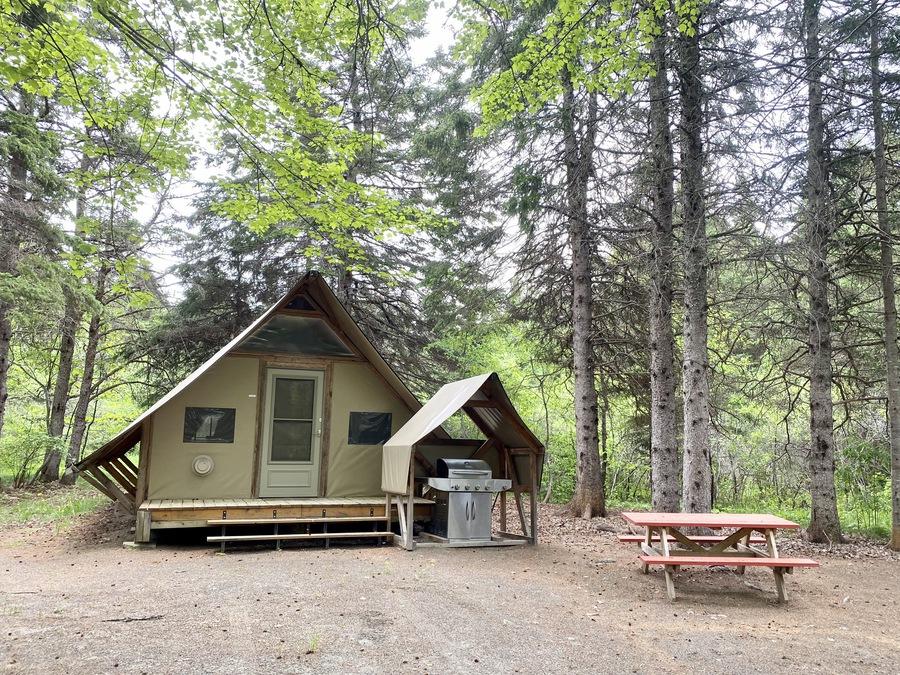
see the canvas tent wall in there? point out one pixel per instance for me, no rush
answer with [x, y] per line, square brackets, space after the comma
[358, 375]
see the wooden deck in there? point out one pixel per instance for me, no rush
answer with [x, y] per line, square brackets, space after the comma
[173, 513]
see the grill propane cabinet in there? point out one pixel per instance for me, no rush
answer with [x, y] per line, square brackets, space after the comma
[463, 493]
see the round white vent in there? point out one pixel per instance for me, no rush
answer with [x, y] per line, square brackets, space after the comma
[203, 465]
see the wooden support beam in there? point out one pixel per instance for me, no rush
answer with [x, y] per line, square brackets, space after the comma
[93, 482]
[127, 462]
[121, 479]
[484, 448]
[112, 489]
[480, 404]
[423, 462]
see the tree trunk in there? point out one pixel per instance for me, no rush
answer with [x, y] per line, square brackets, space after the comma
[5, 339]
[697, 476]
[665, 493]
[892, 357]
[823, 524]
[85, 390]
[589, 499]
[49, 470]
[343, 272]
[13, 218]
[604, 429]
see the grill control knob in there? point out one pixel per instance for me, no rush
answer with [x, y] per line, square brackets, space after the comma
[455, 486]
[467, 486]
[477, 487]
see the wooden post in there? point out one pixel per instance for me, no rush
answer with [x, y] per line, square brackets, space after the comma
[534, 500]
[670, 573]
[772, 549]
[143, 469]
[401, 518]
[746, 547]
[410, 506]
[647, 548]
[142, 527]
[505, 469]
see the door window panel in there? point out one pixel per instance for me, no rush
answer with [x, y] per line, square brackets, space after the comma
[291, 441]
[294, 399]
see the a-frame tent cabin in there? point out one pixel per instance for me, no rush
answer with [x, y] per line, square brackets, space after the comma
[286, 424]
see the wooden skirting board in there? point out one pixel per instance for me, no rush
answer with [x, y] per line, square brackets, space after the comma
[175, 513]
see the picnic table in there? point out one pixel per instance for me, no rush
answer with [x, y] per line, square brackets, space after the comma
[740, 549]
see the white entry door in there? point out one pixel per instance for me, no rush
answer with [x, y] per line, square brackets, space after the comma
[292, 434]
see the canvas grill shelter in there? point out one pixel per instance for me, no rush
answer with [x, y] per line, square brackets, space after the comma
[285, 428]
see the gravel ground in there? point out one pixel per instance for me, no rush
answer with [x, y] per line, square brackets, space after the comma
[76, 601]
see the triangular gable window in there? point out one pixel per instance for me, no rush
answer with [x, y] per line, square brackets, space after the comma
[288, 334]
[302, 303]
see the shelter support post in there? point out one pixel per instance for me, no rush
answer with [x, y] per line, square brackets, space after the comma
[517, 490]
[142, 530]
[410, 544]
[505, 470]
[532, 458]
[401, 517]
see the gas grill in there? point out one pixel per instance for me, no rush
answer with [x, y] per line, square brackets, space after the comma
[463, 496]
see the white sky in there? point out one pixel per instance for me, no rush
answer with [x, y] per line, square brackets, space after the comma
[439, 34]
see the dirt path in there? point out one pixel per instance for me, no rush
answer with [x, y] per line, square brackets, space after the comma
[577, 604]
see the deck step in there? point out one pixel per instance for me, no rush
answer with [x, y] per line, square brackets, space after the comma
[295, 521]
[727, 561]
[285, 537]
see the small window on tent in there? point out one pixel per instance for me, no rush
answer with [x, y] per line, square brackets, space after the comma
[288, 334]
[369, 428]
[208, 425]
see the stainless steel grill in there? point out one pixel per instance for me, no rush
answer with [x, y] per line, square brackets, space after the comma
[463, 498]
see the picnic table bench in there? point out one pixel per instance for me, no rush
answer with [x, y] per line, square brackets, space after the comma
[738, 549]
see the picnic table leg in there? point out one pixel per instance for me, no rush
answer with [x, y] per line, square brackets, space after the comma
[648, 544]
[746, 544]
[668, 569]
[772, 550]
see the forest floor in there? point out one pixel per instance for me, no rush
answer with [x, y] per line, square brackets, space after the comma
[73, 600]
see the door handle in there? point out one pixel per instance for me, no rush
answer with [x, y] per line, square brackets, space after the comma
[473, 510]
[467, 510]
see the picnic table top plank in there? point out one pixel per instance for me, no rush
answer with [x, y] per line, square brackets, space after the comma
[709, 520]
